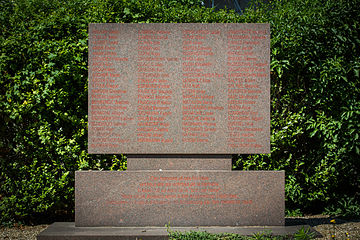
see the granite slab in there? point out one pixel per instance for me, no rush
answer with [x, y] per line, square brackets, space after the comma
[68, 231]
[179, 198]
[179, 88]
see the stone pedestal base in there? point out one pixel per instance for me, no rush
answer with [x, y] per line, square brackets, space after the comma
[179, 198]
[68, 231]
[166, 190]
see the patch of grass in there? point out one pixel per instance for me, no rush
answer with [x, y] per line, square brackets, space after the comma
[302, 234]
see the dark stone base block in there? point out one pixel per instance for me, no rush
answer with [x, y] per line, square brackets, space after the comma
[179, 198]
[68, 231]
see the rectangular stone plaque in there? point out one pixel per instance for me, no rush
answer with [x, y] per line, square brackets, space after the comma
[179, 198]
[174, 88]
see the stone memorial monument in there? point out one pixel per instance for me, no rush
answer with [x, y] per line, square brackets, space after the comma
[178, 100]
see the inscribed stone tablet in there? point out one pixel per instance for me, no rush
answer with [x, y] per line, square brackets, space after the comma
[179, 88]
[181, 198]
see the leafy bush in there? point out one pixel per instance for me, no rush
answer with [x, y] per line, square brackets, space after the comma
[315, 91]
[315, 124]
[43, 98]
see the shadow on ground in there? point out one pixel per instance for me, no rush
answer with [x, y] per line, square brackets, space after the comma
[315, 220]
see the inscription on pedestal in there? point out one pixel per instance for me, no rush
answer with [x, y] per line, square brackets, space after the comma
[183, 198]
[179, 88]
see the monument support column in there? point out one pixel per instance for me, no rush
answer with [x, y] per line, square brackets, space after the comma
[163, 162]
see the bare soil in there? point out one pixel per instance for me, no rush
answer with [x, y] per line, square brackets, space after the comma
[341, 229]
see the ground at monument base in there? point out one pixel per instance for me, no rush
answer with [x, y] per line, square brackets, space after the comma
[68, 231]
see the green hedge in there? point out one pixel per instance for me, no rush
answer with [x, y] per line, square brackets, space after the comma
[43, 98]
[315, 114]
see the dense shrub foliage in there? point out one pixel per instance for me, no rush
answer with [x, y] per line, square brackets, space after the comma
[43, 95]
[315, 90]
[315, 64]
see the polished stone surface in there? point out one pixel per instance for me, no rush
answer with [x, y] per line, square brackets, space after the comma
[181, 198]
[68, 231]
[179, 162]
[179, 88]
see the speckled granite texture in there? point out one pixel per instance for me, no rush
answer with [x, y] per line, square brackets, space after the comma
[68, 231]
[179, 88]
[179, 162]
[181, 198]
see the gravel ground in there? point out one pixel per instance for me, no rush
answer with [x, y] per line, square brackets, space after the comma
[342, 229]
[21, 232]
